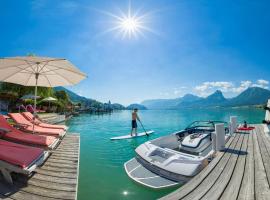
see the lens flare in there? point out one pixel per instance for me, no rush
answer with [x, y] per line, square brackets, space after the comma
[130, 24]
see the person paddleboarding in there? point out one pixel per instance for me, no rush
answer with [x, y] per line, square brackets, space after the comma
[134, 119]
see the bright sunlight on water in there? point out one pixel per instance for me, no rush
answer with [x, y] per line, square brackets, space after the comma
[102, 175]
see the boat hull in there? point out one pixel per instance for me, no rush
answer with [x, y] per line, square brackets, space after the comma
[140, 174]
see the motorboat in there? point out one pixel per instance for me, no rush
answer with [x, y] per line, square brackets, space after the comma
[174, 159]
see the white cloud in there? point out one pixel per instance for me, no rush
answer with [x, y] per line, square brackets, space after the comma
[263, 82]
[243, 86]
[207, 88]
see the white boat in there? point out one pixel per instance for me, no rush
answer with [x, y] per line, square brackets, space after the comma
[174, 159]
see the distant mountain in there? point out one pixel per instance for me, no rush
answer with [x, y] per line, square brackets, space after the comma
[133, 106]
[251, 96]
[190, 98]
[77, 98]
[117, 106]
[87, 102]
[169, 103]
[214, 100]
[161, 103]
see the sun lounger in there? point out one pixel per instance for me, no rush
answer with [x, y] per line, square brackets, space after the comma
[30, 117]
[27, 126]
[19, 158]
[10, 133]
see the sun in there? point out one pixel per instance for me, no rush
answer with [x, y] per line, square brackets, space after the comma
[129, 24]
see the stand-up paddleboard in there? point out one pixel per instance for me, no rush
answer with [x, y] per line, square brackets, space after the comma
[123, 137]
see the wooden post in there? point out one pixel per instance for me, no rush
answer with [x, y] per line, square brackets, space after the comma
[233, 124]
[214, 141]
[220, 137]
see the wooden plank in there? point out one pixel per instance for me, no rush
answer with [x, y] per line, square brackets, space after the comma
[57, 174]
[266, 139]
[57, 169]
[66, 153]
[54, 179]
[195, 182]
[63, 152]
[50, 185]
[233, 185]
[48, 193]
[210, 180]
[68, 148]
[221, 182]
[59, 165]
[21, 195]
[60, 154]
[71, 162]
[261, 183]
[65, 148]
[69, 139]
[246, 191]
[71, 152]
[70, 142]
[70, 145]
[72, 158]
[73, 135]
[14, 192]
[264, 145]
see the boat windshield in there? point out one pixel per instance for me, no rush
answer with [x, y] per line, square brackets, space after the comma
[209, 125]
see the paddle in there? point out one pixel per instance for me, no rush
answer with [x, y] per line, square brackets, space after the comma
[144, 129]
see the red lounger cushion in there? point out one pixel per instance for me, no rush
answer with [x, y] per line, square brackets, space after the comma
[19, 136]
[18, 154]
[245, 128]
[20, 119]
[29, 116]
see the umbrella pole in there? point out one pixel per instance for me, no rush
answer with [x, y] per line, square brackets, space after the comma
[35, 104]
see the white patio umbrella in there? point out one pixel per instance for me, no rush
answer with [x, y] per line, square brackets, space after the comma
[39, 71]
[49, 99]
[29, 96]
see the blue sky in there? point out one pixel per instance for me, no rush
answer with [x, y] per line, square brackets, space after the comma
[196, 46]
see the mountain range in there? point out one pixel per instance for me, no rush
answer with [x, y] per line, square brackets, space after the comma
[135, 105]
[87, 102]
[251, 96]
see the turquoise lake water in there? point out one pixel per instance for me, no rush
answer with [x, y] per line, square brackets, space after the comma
[102, 175]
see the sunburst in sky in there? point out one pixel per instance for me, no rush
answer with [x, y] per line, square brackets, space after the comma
[129, 24]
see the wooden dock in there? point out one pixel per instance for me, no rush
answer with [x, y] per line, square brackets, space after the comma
[56, 179]
[242, 171]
